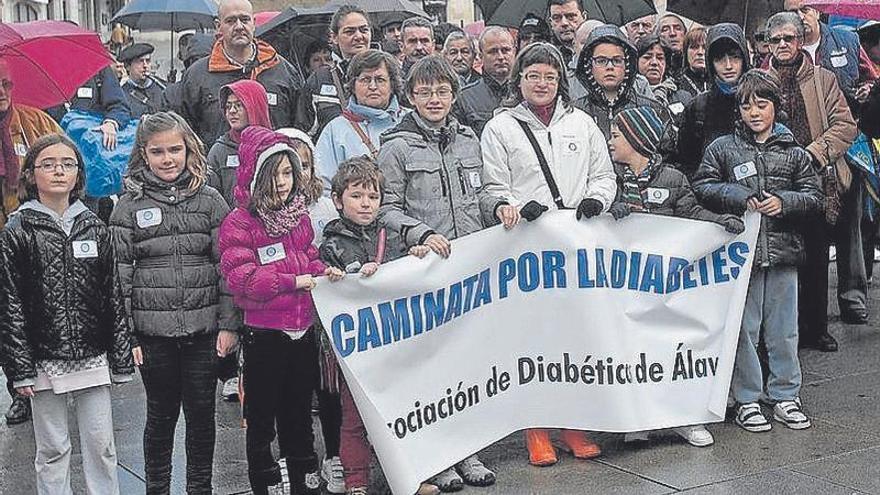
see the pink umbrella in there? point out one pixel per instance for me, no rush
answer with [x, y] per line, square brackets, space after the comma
[860, 9]
[49, 60]
[261, 18]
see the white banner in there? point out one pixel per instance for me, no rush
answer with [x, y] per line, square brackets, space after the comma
[593, 325]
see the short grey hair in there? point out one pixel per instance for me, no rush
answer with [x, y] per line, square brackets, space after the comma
[458, 36]
[416, 22]
[782, 19]
[491, 30]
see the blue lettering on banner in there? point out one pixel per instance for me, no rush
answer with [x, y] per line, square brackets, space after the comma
[389, 322]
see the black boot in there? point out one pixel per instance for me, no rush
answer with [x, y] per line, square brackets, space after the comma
[19, 411]
[261, 481]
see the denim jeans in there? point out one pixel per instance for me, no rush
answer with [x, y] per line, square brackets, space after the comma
[179, 371]
[771, 305]
[279, 377]
[852, 278]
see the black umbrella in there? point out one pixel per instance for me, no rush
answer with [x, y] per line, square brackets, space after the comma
[511, 12]
[295, 28]
[750, 14]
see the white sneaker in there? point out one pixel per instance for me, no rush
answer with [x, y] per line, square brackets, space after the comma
[832, 253]
[229, 392]
[333, 473]
[636, 436]
[696, 435]
[789, 413]
[750, 418]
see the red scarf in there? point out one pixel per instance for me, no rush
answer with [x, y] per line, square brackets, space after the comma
[11, 167]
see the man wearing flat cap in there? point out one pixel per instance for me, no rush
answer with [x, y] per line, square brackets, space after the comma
[143, 90]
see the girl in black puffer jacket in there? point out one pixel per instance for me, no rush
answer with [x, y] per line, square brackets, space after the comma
[761, 168]
[63, 330]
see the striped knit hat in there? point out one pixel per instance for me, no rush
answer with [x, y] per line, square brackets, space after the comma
[642, 128]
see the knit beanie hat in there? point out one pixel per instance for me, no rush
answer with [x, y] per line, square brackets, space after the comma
[642, 128]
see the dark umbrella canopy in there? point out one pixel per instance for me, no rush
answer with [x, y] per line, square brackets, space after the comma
[510, 13]
[167, 15]
[750, 14]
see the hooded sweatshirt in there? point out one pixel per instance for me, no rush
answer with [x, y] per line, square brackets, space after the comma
[595, 103]
[261, 270]
[223, 155]
[712, 114]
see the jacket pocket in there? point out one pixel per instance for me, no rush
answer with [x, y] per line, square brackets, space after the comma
[425, 181]
[469, 175]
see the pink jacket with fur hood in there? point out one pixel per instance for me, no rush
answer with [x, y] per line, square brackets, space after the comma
[261, 270]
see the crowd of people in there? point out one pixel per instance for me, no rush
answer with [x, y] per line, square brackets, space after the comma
[253, 179]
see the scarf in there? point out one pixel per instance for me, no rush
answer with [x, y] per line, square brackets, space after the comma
[544, 112]
[793, 100]
[280, 222]
[726, 88]
[11, 166]
[264, 58]
[634, 187]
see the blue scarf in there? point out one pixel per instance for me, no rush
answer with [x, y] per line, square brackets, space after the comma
[726, 88]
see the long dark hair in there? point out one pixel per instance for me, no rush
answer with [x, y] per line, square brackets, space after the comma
[264, 198]
[537, 53]
[27, 184]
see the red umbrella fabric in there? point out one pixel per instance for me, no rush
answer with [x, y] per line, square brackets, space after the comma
[860, 9]
[49, 60]
[261, 18]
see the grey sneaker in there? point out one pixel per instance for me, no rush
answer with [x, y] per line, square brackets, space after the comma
[474, 473]
[448, 481]
[750, 418]
[789, 413]
[333, 474]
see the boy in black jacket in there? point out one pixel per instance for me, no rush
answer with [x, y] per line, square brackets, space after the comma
[761, 167]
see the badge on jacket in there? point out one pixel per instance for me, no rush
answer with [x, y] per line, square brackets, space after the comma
[676, 108]
[657, 195]
[148, 217]
[232, 161]
[271, 253]
[84, 92]
[475, 179]
[838, 58]
[272, 98]
[85, 249]
[20, 149]
[328, 90]
[745, 170]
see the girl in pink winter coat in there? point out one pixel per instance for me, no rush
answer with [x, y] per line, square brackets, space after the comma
[269, 263]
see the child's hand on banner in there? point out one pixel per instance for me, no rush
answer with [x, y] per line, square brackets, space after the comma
[419, 251]
[334, 274]
[369, 269]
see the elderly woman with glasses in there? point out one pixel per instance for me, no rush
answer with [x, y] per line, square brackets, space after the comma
[373, 80]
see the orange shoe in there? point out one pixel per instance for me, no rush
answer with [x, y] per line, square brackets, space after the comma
[580, 444]
[541, 451]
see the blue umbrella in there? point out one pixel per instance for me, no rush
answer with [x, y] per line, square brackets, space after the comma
[167, 15]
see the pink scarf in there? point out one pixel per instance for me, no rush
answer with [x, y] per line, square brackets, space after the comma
[280, 222]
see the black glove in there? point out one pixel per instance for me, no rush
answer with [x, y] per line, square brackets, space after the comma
[532, 210]
[589, 208]
[620, 210]
[732, 224]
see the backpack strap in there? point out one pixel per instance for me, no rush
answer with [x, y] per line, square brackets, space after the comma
[545, 168]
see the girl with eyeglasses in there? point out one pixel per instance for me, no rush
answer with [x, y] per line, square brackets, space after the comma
[64, 331]
[165, 229]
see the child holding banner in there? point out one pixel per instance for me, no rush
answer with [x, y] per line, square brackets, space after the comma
[434, 192]
[270, 265]
[357, 243]
[646, 184]
[761, 168]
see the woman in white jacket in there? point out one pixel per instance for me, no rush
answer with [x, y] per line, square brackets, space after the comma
[571, 171]
[577, 163]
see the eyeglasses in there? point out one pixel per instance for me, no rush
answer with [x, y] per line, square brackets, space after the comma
[234, 106]
[787, 38]
[370, 80]
[49, 167]
[535, 78]
[609, 61]
[444, 93]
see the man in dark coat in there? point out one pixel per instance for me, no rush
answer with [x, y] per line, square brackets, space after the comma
[144, 92]
[478, 102]
[237, 55]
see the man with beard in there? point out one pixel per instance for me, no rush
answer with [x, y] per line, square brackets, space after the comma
[460, 52]
[477, 103]
[565, 17]
[417, 41]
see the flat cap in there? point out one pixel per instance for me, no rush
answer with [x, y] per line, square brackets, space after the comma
[135, 51]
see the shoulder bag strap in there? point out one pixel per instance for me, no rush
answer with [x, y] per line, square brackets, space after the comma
[361, 134]
[545, 168]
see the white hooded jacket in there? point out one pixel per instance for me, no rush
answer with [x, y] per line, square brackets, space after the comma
[573, 146]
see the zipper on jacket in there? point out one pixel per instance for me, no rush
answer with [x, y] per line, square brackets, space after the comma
[461, 181]
[444, 171]
[765, 243]
[443, 178]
